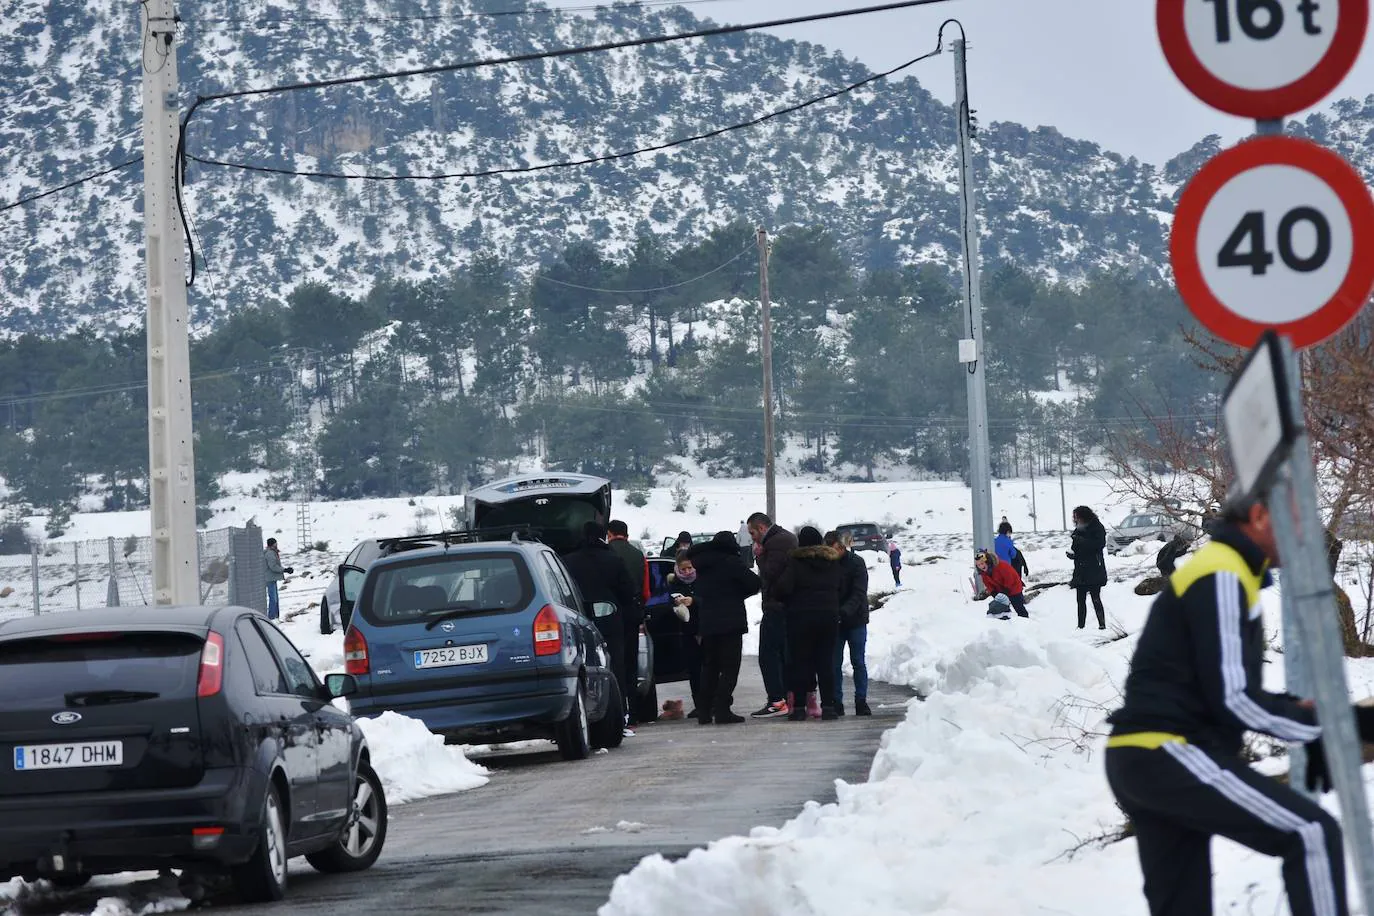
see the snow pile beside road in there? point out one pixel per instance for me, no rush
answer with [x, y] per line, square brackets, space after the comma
[968, 801]
[414, 763]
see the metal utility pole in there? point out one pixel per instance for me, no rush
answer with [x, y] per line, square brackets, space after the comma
[971, 346]
[769, 484]
[171, 453]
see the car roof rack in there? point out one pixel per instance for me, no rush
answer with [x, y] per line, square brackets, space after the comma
[514, 534]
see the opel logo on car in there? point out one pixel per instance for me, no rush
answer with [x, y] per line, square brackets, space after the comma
[66, 718]
[446, 627]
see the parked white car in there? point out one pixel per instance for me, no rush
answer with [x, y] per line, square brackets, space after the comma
[1148, 525]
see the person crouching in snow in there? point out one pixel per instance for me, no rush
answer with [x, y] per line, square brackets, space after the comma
[1001, 579]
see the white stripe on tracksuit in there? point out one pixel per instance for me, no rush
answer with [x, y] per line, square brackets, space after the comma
[1269, 811]
[1233, 678]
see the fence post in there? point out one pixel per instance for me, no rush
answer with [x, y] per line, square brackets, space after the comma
[112, 591]
[76, 562]
[33, 563]
[233, 597]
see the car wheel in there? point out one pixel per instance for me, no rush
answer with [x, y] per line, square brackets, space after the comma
[263, 877]
[573, 734]
[646, 705]
[360, 841]
[609, 732]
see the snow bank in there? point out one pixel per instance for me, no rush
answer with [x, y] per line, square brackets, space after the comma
[414, 763]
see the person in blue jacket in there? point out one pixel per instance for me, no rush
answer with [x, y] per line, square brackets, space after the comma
[1006, 549]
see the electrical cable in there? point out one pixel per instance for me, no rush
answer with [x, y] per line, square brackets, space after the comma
[438, 17]
[180, 167]
[71, 184]
[569, 163]
[655, 289]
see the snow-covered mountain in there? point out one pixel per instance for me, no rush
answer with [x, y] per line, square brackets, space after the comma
[877, 166]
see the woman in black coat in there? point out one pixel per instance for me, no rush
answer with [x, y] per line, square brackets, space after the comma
[809, 589]
[721, 586]
[1089, 540]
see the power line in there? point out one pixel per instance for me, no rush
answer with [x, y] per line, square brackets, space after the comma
[247, 21]
[653, 289]
[555, 53]
[569, 163]
[71, 184]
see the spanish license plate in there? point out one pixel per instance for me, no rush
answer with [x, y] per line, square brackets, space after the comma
[68, 756]
[449, 656]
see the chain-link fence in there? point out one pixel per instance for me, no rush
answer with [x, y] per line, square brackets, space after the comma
[112, 572]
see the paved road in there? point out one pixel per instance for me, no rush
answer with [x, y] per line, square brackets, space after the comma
[542, 836]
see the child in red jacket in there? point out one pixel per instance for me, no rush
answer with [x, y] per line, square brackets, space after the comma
[1001, 579]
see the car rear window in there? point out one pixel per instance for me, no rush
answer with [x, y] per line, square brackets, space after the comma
[866, 530]
[43, 671]
[477, 582]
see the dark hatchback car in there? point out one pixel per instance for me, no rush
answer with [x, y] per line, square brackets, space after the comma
[177, 737]
[483, 641]
[865, 535]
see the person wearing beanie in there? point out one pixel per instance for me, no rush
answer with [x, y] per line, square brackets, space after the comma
[1001, 578]
[683, 542]
[722, 584]
[809, 589]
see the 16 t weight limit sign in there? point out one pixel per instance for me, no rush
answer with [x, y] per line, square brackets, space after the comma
[1275, 233]
[1262, 59]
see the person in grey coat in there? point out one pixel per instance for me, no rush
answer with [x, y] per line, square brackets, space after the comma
[275, 572]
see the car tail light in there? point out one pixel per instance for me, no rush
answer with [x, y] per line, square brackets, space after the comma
[211, 666]
[206, 837]
[355, 652]
[548, 634]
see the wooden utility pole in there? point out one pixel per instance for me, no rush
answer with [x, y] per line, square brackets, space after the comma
[769, 484]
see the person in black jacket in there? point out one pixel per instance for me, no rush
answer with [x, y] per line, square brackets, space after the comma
[722, 584]
[601, 576]
[1089, 541]
[682, 586]
[1174, 755]
[809, 589]
[853, 630]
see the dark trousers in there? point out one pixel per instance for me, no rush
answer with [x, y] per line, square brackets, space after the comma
[1179, 796]
[773, 655]
[691, 655]
[1083, 594]
[613, 632]
[857, 639]
[811, 643]
[631, 663]
[896, 572]
[720, 660]
[1019, 603]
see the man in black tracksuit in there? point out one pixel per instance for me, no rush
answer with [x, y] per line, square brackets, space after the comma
[1173, 759]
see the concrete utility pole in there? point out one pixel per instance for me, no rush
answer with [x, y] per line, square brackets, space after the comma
[971, 347]
[769, 484]
[171, 453]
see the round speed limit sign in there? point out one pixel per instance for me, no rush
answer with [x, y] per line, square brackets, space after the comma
[1274, 233]
[1261, 59]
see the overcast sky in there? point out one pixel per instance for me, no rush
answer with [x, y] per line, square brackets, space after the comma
[1091, 68]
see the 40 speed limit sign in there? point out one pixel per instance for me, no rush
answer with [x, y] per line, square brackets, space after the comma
[1261, 59]
[1274, 233]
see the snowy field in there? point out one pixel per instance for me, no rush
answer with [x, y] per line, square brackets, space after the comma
[988, 798]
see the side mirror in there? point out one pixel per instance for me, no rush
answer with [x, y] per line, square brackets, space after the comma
[340, 685]
[603, 608]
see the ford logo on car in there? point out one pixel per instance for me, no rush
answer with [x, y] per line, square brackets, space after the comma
[66, 718]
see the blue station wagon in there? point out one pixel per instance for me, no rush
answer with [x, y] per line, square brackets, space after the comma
[482, 640]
